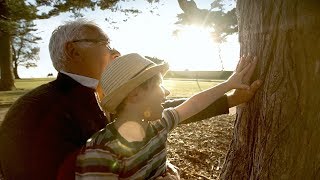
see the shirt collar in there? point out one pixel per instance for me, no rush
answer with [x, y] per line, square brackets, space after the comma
[83, 80]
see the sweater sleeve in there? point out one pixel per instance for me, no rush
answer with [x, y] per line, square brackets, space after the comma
[219, 107]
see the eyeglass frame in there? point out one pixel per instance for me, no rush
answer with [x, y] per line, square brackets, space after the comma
[97, 41]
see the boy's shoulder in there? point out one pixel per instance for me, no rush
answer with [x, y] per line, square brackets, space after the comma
[107, 139]
[169, 120]
[101, 138]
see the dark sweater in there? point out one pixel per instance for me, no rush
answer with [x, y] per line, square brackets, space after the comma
[45, 126]
[220, 106]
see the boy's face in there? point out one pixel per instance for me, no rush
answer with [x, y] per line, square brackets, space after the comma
[152, 100]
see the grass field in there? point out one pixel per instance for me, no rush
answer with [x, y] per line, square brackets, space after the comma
[177, 87]
[186, 88]
[23, 86]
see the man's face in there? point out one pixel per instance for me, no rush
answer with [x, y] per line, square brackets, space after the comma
[153, 97]
[96, 54]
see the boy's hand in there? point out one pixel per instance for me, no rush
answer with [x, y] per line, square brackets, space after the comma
[238, 78]
[244, 95]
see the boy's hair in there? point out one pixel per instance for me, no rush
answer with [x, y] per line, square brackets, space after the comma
[145, 85]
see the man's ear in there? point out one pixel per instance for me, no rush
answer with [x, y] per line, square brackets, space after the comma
[71, 51]
[135, 95]
[115, 54]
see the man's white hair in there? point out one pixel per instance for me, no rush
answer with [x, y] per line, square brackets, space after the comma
[70, 31]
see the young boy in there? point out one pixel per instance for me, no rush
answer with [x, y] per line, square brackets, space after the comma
[134, 145]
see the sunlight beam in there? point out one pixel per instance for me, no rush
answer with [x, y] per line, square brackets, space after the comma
[195, 50]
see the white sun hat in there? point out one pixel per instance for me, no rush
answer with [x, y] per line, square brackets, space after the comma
[123, 75]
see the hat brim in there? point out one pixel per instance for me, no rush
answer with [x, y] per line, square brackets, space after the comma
[111, 101]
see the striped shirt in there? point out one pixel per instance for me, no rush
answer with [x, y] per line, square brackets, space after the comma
[107, 155]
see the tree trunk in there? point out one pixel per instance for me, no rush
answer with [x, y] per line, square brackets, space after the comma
[7, 80]
[15, 69]
[277, 134]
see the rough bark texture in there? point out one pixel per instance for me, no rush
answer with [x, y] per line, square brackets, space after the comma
[15, 69]
[277, 134]
[7, 79]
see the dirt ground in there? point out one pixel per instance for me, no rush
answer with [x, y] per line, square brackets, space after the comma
[197, 149]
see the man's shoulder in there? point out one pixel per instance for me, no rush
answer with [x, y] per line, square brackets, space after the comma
[50, 92]
[35, 95]
[38, 101]
[29, 108]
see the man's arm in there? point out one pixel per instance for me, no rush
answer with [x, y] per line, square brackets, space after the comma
[218, 107]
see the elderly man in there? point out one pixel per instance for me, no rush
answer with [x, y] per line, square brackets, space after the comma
[46, 125]
[44, 129]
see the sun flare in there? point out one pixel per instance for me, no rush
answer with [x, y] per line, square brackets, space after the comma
[195, 49]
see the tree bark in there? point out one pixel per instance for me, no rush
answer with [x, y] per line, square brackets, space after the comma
[16, 74]
[15, 69]
[7, 79]
[277, 134]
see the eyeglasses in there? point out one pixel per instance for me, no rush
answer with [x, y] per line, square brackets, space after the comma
[97, 41]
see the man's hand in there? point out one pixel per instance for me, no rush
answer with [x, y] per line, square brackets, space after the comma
[240, 96]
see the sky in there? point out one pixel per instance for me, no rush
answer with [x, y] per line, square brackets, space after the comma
[150, 34]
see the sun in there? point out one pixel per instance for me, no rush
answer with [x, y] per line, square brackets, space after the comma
[194, 49]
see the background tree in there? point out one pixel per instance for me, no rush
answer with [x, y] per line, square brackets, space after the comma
[14, 11]
[277, 134]
[24, 50]
[218, 19]
[11, 12]
[221, 22]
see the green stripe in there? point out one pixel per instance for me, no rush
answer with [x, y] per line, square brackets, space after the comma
[112, 164]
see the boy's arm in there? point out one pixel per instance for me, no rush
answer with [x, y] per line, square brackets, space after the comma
[203, 99]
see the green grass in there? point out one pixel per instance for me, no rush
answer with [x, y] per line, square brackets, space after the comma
[28, 84]
[186, 88]
[177, 87]
[23, 86]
